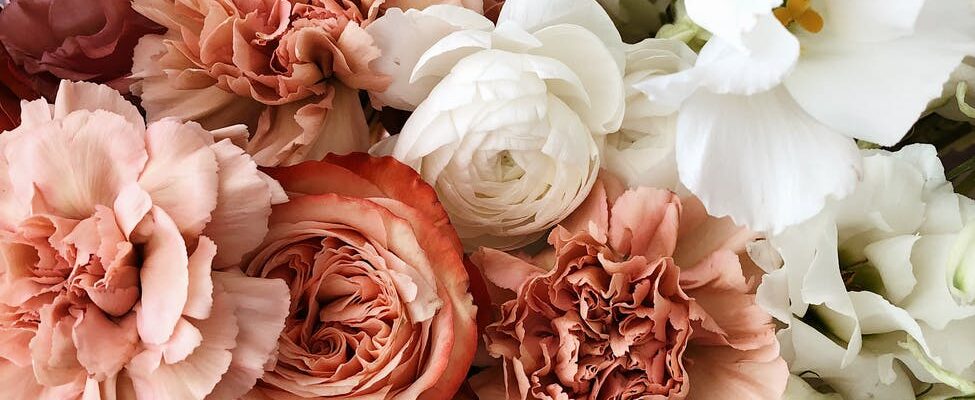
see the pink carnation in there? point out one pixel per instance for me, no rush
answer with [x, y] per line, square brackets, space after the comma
[112, 232]
[608, 313]
[290, 71]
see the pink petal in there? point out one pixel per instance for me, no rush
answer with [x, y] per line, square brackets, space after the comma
[74, 96]
[185, 339]
[196, 376]
[130, 207]
[240, 219]
[718, 372]
[53, 348]
[592, 215]
[504, 270]
[701, 234]
[199, 297]
[104, 346]
[81, 161]
[263, 304]
[644, 222]
[731, 311]
[165, 278]
[181, 174]
[19, 383]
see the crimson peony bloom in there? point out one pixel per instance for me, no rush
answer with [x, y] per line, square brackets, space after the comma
[80, 40]
[112, 233]
[640, 297]
[380, 307]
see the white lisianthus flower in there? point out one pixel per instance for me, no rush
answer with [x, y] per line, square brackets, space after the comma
[881, 276]
[642, 153]
[507, 120]
[959, 94]
[770, 110]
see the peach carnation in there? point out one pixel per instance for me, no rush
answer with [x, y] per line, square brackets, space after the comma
[288, 70]
[609, 313]
[111, 233]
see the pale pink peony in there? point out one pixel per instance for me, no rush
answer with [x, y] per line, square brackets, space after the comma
[608, 313]
[380, 307]
[290, 71]
[111, 234]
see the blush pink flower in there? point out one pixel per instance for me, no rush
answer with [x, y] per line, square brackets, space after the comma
[639, 298]
[112, 233]
[290, 71]
[380, 307]
[80, 40]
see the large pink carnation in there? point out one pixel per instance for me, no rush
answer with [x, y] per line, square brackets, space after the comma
[289, 70]
[609, 313]
[111, 233]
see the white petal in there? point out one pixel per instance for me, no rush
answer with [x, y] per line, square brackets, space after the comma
[760, 159]
[769, 53]
[533, 15]
[404, 37]
[932, 300]
[877, 90]
[729, 19]
[869, 20]
[798, 389]
[892, 260]
[868, 377]
[601, 78]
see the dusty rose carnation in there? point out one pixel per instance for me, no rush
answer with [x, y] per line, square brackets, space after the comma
[80, 40]
[112, 233]
[380, 307]
[290, 71]
[609, 313]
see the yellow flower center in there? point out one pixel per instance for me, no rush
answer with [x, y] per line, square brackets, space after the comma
[801, 13]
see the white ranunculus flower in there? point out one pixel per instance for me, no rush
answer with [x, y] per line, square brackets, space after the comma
[875, 289]
[770, 109]
[641, 153]
[508, 120]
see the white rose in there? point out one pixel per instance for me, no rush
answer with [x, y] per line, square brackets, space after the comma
[642, 152]
[508, 120]
[873, 279]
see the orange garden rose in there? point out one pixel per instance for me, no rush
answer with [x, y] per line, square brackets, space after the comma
[380, 307]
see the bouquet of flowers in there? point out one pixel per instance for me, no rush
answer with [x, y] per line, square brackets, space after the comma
[487, 199]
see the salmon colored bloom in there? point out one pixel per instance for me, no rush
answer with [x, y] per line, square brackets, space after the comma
[291, 71]
[640, 297]
[112, 233]
[380, 307]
